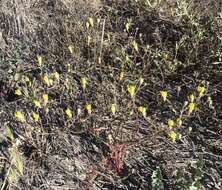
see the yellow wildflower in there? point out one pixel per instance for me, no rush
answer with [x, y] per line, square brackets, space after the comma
[113, 109]
[26, 78]
[68, 112]
[141, 81]
[172, 135]
[170, 123]
[127, 26]
[135, 45]
[191, 98]
[191, 107]
[20, 116]
[47, 110]
[88, 108]
[190, 129]
[210, 102]
[164, 94]
[56, 75]
[46, 79]
[131, 89]
[37, 103]
[110, 137]
[83, 82]
[35, 116]
[40, 60]
[18, 92]
[142, 110]
[71, 49]
[121, 76]
[201, 90]
[87, 25]
[91, 22]
[179, 121]
[78, 111]
[45, 98]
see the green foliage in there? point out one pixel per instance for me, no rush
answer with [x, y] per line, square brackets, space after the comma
[190, 178]
[157, 179]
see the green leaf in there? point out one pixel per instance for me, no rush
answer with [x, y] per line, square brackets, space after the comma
[9, 134]
[157, 178]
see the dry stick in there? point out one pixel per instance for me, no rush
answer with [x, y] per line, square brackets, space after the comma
[6, 177]
[102, 38]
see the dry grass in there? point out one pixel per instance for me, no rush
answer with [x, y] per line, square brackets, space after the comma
[173, 49]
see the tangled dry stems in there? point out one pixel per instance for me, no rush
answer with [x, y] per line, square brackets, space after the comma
[77, 153]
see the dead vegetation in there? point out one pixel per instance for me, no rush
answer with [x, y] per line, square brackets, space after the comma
[110, 95]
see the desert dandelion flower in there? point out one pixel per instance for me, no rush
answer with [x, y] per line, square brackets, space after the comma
[142, 110]
[68, 112]
[20, 116]
[135, 45]
[18, 92]
[191, 107]
[164, 95]
[39, 60]
[35, 116]
[113, 108]
[170, 123]
[83, 82]
[131, 89]
[201, 90]
[88, 108]
[71, 49]
[172, 135]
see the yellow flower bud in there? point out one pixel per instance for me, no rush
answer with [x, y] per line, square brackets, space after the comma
[40, 60]
[87, 25]
[210, 102]
[131, 89]
[110, 137]
[191, 98]
[113, 109]
[121, 76]
[190, 129]
[173, 136]
[201, 90]
[26, 78]
[127, 26]
[135, 45]
[179, 122]
[18, 92]
[37, 103]
[83, 82]
[56, 75]
[164, 94]
[20, 116]
[191, 107]
[141, 81]
[170, 123]
[68, 112]
[71, 49]
[45, 98]
[88, 108]
[91, 22]
[35, 116]
[78, 111]
[46, 79]
[142, 110]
